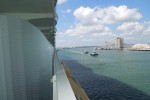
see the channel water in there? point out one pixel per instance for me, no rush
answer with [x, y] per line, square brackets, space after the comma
[112, 75]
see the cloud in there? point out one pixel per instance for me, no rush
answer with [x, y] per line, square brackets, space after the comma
[86, 16]
[129, 28]
[147, 22]
[94, 21]
[67, 11]
[95, 25]
[95, 30]
[87, 40]
[147, 30]
[61, 1]
[109, 15]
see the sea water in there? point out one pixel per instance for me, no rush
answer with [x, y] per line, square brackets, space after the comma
[129, 67]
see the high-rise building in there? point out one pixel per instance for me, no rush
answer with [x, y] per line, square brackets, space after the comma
[119, 43]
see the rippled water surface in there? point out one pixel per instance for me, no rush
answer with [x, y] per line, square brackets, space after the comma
[113, 75]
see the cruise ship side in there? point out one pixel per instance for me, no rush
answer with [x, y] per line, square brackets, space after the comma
[29, 66]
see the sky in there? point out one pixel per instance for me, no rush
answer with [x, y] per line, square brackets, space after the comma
[96, 22]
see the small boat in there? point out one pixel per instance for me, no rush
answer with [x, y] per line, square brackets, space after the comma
[94, 53]
[85, 52]
[57, 49]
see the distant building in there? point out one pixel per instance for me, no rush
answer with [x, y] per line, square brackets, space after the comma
[119, 43]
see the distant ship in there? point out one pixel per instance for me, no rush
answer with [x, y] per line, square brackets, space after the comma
[94, 53]
[85, 52]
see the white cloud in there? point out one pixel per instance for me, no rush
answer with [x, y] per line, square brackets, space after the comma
[86, 16]
[93, 21]
[67, 11]
[95, 30]
[129, 28]
[147, 27]
[147, 22]
[147, 30]
[119, 14]
[87, 40]
[109, 15]
[95, 25]
[61, 1]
